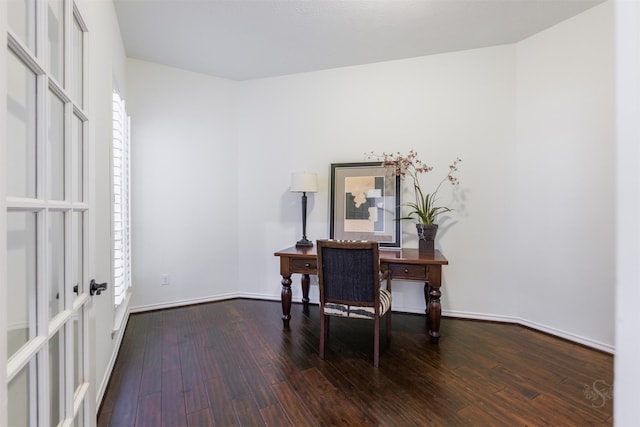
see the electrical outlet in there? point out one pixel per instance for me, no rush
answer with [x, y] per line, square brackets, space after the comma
[164, 279]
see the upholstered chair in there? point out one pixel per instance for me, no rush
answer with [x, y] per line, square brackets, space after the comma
[349, 277]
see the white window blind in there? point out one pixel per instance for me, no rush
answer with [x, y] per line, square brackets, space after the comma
[121, 191]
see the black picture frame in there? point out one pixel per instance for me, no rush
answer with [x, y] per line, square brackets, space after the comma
[374, 216]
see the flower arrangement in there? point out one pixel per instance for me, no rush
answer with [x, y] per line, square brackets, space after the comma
[425, 208]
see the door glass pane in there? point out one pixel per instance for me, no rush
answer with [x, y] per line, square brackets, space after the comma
[55, 20]
[56, 377]
[21, 16]
[77, 62]
[78, 373]
[78, 252]
[21, 396]
[78, 152]
[56, 263]
[21, 129]
[56, 148]
[21, 279]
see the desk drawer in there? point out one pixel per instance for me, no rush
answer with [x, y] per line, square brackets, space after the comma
[304, 266]
[408, 271]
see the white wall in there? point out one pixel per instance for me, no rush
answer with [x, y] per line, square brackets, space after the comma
[534, 125]
[566, 178]
[513, 126]
[444, 106]
[184, 196]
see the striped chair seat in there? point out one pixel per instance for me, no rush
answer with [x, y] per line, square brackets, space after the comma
[356, 311]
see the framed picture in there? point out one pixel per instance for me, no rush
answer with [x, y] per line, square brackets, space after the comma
[365, 203]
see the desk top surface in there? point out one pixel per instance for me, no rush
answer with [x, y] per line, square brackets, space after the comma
[401, 256]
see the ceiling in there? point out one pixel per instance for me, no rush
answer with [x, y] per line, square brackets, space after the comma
[250, 39]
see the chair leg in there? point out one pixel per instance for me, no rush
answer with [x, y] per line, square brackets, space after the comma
[389, 325]
[376, 342]
[322, 335]
[327, 333]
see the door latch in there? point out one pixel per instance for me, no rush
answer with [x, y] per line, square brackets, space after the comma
[97, 288]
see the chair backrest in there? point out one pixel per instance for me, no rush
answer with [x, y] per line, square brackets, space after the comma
[349, 272]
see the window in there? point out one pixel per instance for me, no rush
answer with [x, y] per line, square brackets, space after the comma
[121, 211]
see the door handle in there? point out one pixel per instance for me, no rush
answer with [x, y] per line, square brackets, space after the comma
[97, 288]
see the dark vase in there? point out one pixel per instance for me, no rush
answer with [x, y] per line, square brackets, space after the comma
[426, 237]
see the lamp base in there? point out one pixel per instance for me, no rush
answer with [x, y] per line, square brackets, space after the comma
[304, 243]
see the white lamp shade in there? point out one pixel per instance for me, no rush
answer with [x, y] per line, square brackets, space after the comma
[304, 182]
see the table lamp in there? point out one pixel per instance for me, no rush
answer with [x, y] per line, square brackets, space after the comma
[304, 182]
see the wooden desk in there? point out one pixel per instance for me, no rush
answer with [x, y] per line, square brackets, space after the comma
[405, 264]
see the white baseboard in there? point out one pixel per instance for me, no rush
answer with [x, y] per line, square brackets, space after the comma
[588, 342]
[267, 297]
[118, 334]
[180, 303]
[569, 336]
[533, 325]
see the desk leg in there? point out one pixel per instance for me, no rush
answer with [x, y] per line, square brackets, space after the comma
[285, 297]
[427, 288]
[434, 311]
[306, 281]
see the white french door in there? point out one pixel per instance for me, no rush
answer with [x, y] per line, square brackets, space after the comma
[46, 213]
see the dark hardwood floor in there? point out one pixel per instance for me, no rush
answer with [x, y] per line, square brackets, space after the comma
[230, 363]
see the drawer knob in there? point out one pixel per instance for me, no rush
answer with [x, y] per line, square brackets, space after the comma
[307, 265]
[406, 270]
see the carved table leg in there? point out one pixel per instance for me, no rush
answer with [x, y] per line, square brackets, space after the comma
[435, 311]
[285, 296]
[427, 288]
[306, 281]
